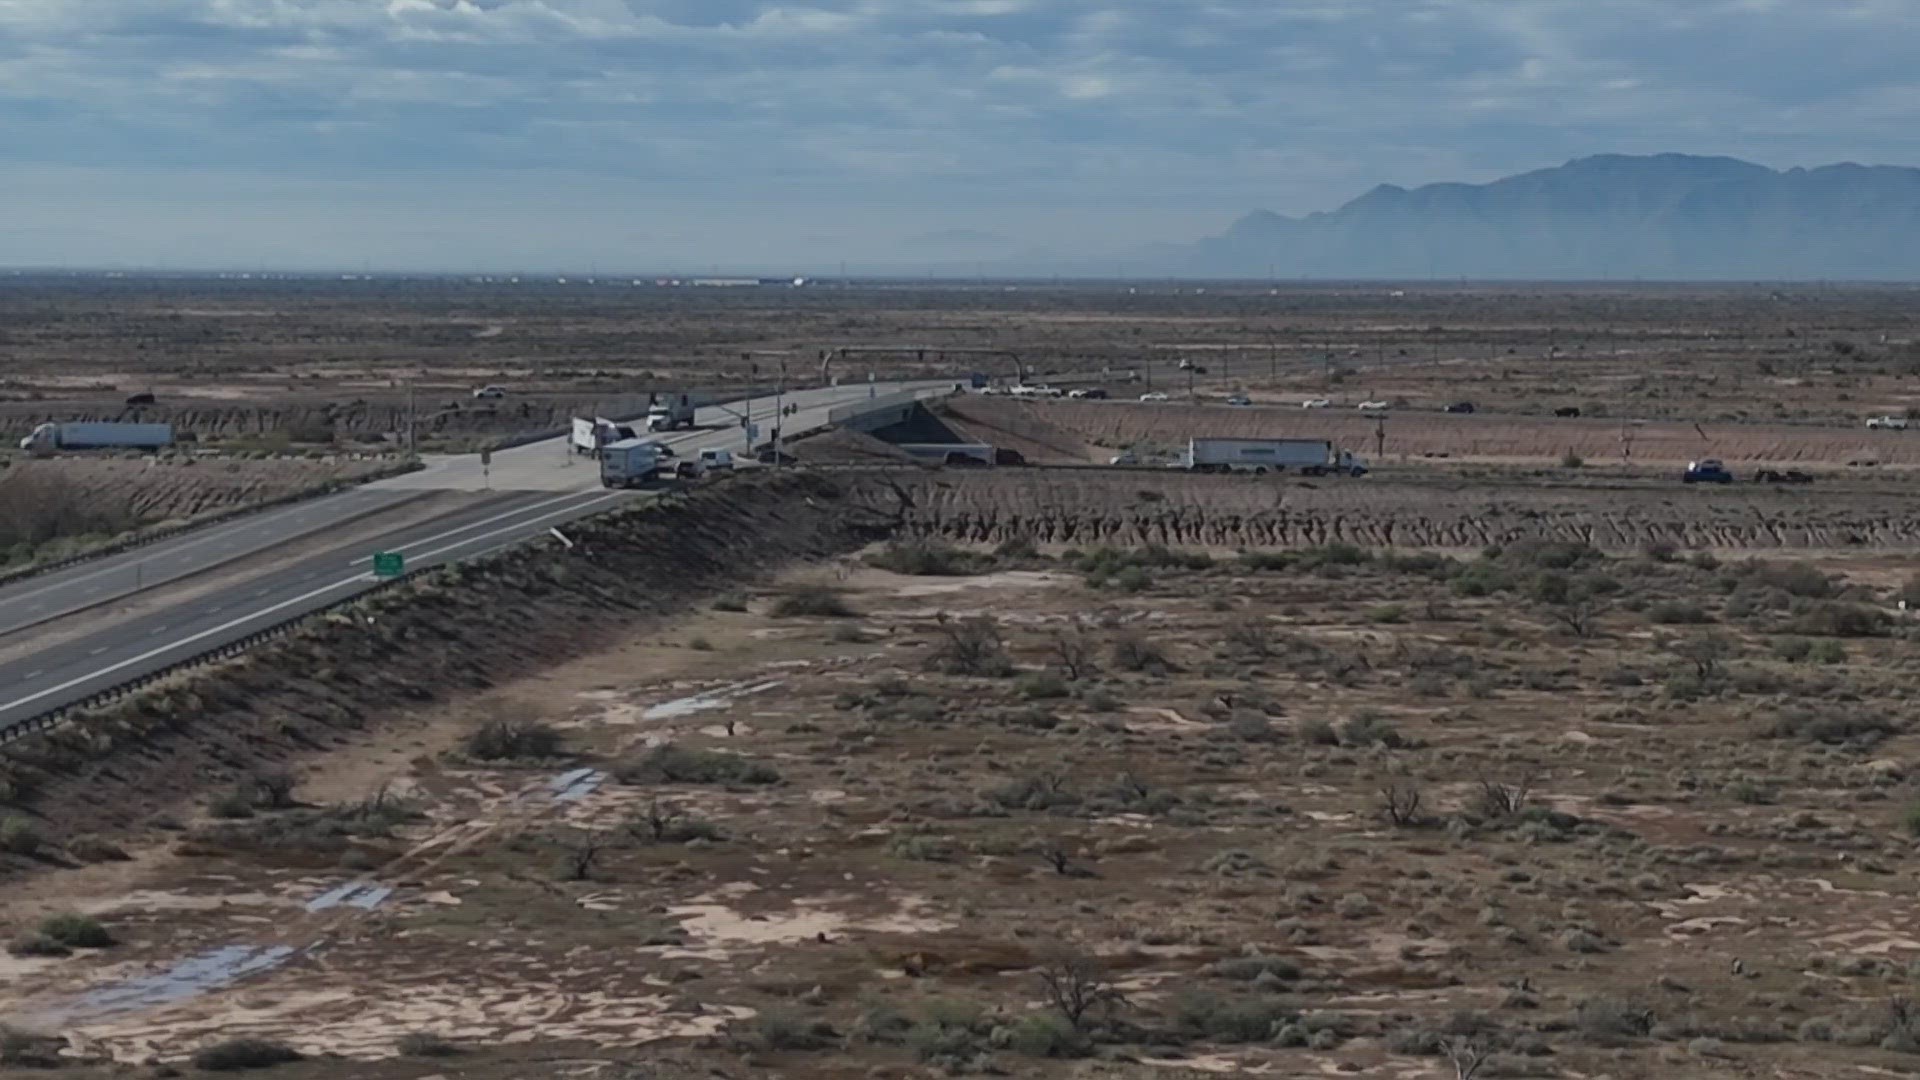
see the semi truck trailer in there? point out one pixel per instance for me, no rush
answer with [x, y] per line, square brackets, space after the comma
[101, 435]
[629, 463]
[1310, 457]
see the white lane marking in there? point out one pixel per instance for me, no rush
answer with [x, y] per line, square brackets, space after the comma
[244, 619]
[166, 552]
[469, 526]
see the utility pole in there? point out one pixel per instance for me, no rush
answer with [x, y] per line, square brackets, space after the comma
[1380, 438]
[413, 435]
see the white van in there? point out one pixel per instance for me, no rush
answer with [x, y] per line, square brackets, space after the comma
[716, 459]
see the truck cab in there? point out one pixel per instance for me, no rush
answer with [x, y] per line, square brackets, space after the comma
[1706, 471]
[670, 412]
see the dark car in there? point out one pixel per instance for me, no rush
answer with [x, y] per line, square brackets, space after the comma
[1567, 410]
[770, 456]
[1706, 471]
[1460, 407]
[139, 399]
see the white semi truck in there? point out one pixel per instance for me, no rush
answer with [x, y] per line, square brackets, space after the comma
[670, 412]
[1310, 457]
[629, 463]
[97, 435]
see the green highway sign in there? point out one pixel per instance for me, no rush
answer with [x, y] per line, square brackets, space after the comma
[389, 564]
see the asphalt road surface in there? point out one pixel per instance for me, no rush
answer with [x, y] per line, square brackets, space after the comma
[49, 596]
[127, 649]
[539, 487]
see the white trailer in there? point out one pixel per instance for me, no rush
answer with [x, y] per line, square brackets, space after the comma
[589, 436]
[629, 463]
[1311, 457]
[97, 435]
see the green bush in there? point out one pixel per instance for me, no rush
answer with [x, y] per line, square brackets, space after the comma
[1049, 1035]
[231, 805]
[1041, 687]
[926, 559]
[1835, 619]
[812, 602]
[1828, 651]
[425, 1044]
[237, 1054]
[733, 601]
[672, 764]
[1220, 1018]
[513, 740]
[76, 931]
[35, 943]
[1678, 613]
[18, 836]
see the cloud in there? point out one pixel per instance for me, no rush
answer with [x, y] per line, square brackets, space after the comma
[1061, 110]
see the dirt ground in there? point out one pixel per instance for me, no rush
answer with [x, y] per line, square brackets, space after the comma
[316, 360]
[1295, 815]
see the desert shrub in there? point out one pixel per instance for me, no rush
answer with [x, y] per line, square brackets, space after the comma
[425, 1044]
[1832, 726]
[1042, 792]
[1609, 1021]
[26, 1050]
[1048, 1035]
[1429, 563]
[1792, 650]
[1367, 729]
[731, 601]
[1678, 613]
[1483, 578]
[971, 646]
[18, 836]
[1835, 619]
[671, 764]
[512, 740]
[1387, 614]
[1133, 652]
[1130, 579]
[1548, 554]
[1108, 562]
[76, 931]
[812, 602]
[951, 1036]
[923, 558]
[1041, 687]
[784, 1029]
[1828, 651]
[921, 849]
[88, 848]
[34, 943]
[1254, 968]
[1580, 941]
[1794, 578]
[1229, 1019]
[1316, 732]
[1016, 549]
[1571, 460]
[231, 805]
[237, 1054]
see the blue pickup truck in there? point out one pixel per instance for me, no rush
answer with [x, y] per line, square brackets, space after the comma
[1706, 471]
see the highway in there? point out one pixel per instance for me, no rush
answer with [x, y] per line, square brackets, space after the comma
[523, 493]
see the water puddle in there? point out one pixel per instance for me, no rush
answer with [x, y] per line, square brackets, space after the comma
[189, 978]
[576, 785]
[705, 701]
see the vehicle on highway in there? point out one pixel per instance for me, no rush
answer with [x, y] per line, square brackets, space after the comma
[1153, 395]
[1094, 394]
[1460, 407]
[1775, 476]
[589, 436]
[717, 460]
[1125, 457]
[1706, 471]
[1240, 400]
[97, 435]
[1312, 457]
[1889, 422]
[770, 456]
[670, 413]
[1372, 406]
[1315, 403]
[1567, 411]
[140, 399]
[688, 470]
[490, 392]
[629, 463]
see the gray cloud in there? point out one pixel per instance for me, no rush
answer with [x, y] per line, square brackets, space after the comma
[1046, 119]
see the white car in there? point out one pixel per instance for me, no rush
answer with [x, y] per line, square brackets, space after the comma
[1887, 423]
[1153, 395]
[490, 392]
[1241, 400]
[1373, 406]
[1315, 403]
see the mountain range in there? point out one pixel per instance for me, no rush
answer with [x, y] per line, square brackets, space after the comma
[1665, 216]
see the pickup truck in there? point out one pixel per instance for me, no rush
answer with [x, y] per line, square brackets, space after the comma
[1889, 422]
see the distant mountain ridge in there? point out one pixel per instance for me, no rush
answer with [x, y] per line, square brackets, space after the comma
[1665, 216]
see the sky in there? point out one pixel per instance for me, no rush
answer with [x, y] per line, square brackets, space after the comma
[784, 137]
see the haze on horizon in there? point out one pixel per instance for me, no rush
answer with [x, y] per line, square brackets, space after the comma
[749, 135]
